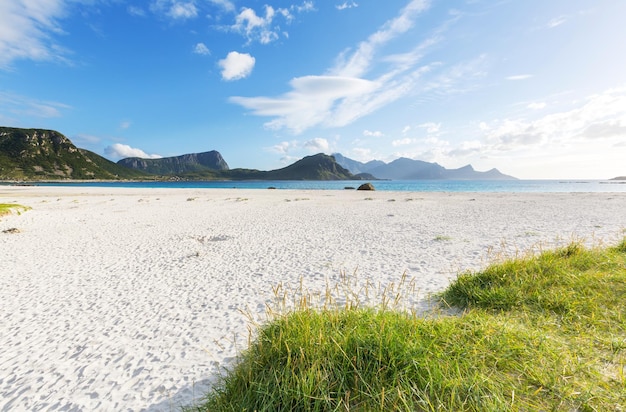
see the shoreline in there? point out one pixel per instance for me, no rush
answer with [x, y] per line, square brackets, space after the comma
[126, 298]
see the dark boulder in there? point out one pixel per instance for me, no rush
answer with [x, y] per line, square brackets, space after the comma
[366, 186]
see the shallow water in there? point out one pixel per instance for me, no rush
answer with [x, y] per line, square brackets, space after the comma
[505, 186]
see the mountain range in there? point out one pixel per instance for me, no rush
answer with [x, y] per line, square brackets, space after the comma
[38, 154]
[194, 162]
[410, 169]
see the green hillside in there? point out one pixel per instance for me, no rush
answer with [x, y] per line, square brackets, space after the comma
[38, 154]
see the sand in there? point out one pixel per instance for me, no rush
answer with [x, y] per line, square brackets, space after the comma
[135, 299]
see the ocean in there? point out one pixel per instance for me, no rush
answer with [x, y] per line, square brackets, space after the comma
[505, 186]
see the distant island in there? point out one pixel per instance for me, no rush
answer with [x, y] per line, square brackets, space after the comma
[619, 178]
[44, 155]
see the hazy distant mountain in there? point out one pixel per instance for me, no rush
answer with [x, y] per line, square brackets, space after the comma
[619, 178]
[357, 167]
[193, 162]
[409, 169]
[37, 154]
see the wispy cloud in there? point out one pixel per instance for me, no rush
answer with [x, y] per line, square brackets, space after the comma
[136, 11]
[602, 116]
[120, 151]
[175, 9]
[317, 145]
[557, 21]
[28, 31]
[26, 106]
[370, 133]
[311, 101]
[236, 66]
[355, 64]
[83, 138]
[224, 4]
[306, 6]
[201, 49]
[282, 147]
[519, 77]
[597, 121]
[402, 142]
[343, 94]
[183, 11]
[431, 127]
[346, 5]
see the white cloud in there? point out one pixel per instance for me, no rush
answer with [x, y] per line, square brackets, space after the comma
[372, 134]
[317, 145]
[236, 66]
[201, 49]
[28, 29]
[175, 9]
[120, 151]
[602, 116]
[431, 127]
[125, 124]
[361, 154]
[402, 142]
[406, 129]
[537, 105]
[310, 103]
[255, 27]
[282, 147]
[264, 27]
[557, 21]
[183, 11]
[343, 95]
[225, 4]
[22, 105]
[306, 6]
[346, 5]
[606, 129]
[520, 77]
[136, 11]
[356, 64]
[85, 139]
[466, 148]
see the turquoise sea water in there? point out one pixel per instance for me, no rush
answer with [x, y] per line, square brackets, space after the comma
[507, 186]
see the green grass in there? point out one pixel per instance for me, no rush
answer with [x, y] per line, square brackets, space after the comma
[7, 208]
[545, 332]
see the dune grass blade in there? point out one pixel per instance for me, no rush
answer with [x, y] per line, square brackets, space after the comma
[545, 332]
[7, 208]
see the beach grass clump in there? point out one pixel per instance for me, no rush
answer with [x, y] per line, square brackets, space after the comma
[574, 285]
[544, 332]
[7, 208]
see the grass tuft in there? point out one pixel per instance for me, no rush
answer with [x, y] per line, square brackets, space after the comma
[7, 208]
[544, 332]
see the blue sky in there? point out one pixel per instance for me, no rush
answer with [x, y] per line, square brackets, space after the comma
[534, 88]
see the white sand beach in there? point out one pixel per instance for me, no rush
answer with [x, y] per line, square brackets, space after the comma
[118, 299]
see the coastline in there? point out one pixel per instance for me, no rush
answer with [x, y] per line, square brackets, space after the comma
[422, 186]
[125, 298]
